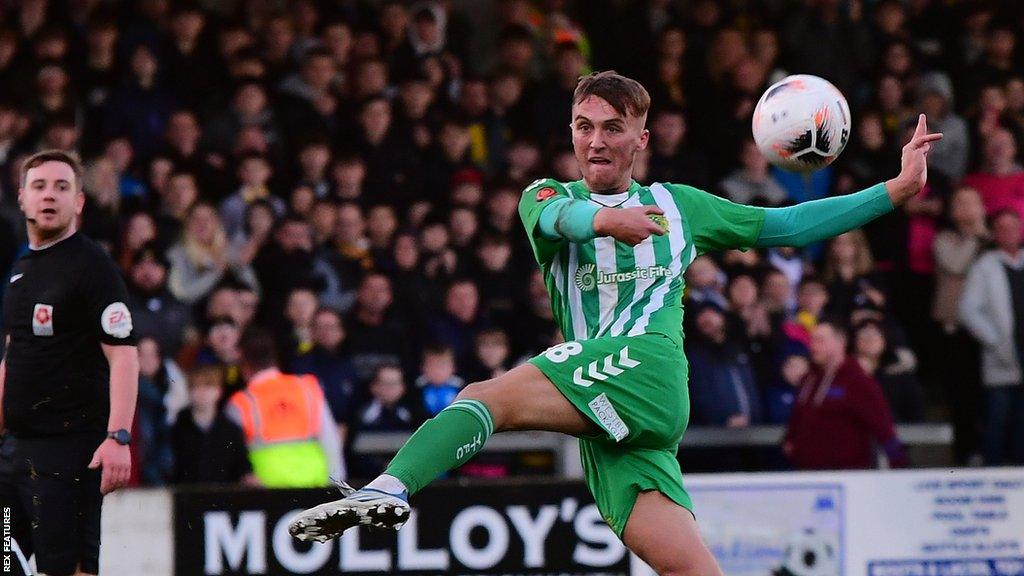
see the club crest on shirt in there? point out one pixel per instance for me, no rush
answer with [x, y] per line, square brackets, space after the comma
[545, 193]
[660, 220]
[116, 320]
[42, 320]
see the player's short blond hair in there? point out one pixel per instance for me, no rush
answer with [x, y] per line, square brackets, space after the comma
[40, 158]
[627, 96]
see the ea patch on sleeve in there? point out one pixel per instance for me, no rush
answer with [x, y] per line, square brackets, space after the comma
[545, 193]
[117, 320]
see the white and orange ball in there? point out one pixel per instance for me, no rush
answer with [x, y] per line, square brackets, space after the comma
[802, 123]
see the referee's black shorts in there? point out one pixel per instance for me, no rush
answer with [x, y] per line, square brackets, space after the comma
[17, 550]
[62, 498]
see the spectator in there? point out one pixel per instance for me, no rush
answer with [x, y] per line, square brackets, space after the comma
[381, 225]
[391, 164]
[254, 172]
[120, 153]
[849, 272]
[491, 356]
[177, 193]
[203, 258]
[292, 437]
[788, 260]
[208, 446]
[673, 159]
[811, 302]
[415, 296]
[384, 411]
[497, 279]
[722, 387]
[449, 156]
[298, 312]
[992, 309]
[1001, 179]
[308, 98]
[780, 395]
[778, 295]
[935, 97]
[751, 325]
[350, 256]
[249, 107]
[102, 202]
[753, 183]
[183, 137]
[156, 313]
[956, 248]
[377, 334]
[839, 412]
[221, 348]
[332, 366]
[893, 368]
[139, 108]
[348, 174]
[152, 447]
[535, 330]
[437, 382]
[460, 320]
[260, 220]
[139, 230]
[314, 158]
[705, 283]
[288, 262]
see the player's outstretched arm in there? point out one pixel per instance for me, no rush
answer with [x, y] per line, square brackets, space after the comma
[818, 220]
[582, 221]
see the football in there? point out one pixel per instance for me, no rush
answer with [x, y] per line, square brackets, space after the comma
[809, 554]
[801, 123]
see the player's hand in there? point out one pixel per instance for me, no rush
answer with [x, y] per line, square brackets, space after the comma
[116, 463]
[914, 171]
[628, 225]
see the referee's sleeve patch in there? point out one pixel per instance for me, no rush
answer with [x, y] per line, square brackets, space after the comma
[116, 320]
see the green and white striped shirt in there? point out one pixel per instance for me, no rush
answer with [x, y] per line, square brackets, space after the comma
[607, 288]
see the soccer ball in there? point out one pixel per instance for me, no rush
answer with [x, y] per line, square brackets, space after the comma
[809, 554]
[801, 123]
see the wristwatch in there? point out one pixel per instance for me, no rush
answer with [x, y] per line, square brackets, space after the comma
[122, 436]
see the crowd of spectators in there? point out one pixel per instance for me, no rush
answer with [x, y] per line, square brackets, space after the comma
[347, 174]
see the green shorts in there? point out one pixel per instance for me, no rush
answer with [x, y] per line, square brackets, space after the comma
[634, 388]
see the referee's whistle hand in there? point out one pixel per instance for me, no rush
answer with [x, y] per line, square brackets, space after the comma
[115, 462]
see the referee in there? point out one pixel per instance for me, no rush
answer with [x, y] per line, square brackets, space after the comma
[69, 378]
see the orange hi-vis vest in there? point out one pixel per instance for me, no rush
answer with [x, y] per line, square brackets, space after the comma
[281, 416]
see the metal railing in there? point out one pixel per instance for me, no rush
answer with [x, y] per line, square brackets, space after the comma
[566, 449]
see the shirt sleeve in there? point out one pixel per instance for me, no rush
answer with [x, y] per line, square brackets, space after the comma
[818, 220]
[716, 223]
[106, 299]
[536, 197]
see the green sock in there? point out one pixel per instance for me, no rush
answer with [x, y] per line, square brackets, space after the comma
[444, 442]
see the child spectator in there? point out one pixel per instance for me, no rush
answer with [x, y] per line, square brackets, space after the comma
[438, 383]
[208, 447]
[491, 356]
[385, 412]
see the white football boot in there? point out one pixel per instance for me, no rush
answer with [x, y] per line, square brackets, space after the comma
[365, 507]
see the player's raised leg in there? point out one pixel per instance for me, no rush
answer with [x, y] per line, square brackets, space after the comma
[665, 536]
[521, 399]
